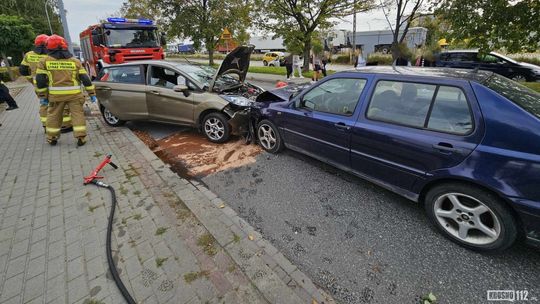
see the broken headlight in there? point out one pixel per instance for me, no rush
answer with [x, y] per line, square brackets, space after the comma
[237, 100]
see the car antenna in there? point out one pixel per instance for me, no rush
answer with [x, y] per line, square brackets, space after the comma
[185, 58]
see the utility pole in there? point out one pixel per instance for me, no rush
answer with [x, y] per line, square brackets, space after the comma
[47, 13]
[65, 25]
[354, 35]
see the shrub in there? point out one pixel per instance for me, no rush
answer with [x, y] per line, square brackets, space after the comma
[380, 59]
[341, 59]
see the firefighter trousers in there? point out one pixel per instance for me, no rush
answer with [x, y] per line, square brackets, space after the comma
[55, 117]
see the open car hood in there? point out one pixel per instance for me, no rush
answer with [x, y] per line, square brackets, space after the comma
[284, 93]
[236, 62]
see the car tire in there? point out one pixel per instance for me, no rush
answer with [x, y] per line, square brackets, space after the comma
[519, 78]
[265, 63]
[110, 119]
[215, 127]
[268, 136]
[471, 217]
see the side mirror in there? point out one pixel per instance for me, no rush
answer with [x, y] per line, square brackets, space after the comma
[180, 88]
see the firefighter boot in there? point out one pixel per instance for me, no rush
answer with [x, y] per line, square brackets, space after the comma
[54, 121]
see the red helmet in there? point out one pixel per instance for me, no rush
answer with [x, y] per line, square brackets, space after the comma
[55, 42]
[41, 40]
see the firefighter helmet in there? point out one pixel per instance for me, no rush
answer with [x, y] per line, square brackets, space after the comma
[41, 40]
[56, 42]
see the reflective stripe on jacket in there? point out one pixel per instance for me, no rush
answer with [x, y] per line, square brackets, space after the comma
[31, 59]
[60, 79]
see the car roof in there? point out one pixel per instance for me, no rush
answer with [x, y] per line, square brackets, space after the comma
[447, 73]
[154, 61]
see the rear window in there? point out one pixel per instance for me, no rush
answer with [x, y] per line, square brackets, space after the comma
[515, 92]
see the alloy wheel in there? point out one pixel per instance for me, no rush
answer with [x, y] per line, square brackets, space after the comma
[467, 218]
[110, 118]
[214, 128]
[267, 136]
[519, 78]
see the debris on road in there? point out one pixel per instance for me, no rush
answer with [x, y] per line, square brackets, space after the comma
[191, 155]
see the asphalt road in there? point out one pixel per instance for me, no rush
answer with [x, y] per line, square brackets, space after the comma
[360, 242]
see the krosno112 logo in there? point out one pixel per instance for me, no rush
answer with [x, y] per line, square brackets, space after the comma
[510, 295]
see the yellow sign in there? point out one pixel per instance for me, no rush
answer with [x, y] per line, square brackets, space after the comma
[34, 57]
[226, 34]
[61, 65]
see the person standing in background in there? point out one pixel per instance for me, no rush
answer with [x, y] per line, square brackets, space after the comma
[317, 67]
[289, 65]
[297, 65]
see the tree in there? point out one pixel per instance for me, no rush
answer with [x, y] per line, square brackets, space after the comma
[297, 20]
[33, 13]
[15, 37]
[494, 24]
[403, 12]
[204, 20]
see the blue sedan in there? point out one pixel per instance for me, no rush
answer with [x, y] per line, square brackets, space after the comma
[465, 144]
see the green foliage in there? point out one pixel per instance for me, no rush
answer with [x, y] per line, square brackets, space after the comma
[204, 20]
[160, 261]
[380, 59]
[15, 37]
[533, 85]
[342, 59]
[494, 24]
[297, 21]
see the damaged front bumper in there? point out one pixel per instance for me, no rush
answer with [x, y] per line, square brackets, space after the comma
[239, 120]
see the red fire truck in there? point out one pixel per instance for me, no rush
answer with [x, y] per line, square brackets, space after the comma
[120, 40]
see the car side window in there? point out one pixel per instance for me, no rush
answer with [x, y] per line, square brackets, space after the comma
[164, 77]
[404, 103]
[126, 74]
[337, 96]
[450, 112]
[489, 59]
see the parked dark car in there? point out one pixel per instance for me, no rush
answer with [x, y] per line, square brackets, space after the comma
[465, 144]
[497, 63]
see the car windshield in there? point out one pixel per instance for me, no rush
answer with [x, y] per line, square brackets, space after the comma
[504, 57]
[132, 38]
[203, 74]
[515, 92]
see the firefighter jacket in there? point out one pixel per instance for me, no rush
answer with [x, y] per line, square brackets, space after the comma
[59, 77]
[29, 63]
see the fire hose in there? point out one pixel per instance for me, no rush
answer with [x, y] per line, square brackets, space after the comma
[93, 178]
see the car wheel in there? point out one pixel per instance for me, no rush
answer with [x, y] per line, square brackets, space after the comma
[471, 217]
[265, 63]
[519, 78]
[216, 127]
[110, 119]
[268, 136]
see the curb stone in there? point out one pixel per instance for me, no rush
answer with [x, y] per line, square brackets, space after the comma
[270, 271]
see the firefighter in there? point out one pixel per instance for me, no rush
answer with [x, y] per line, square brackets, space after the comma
[28, 68]
[58, 79]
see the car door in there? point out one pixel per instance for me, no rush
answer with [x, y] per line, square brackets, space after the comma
[320, 120]
[410, 129]
[164, 104]
[122, 90]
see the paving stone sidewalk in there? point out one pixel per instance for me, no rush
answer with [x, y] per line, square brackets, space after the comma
[174, 241]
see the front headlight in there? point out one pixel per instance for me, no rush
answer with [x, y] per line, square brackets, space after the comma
[237, 100]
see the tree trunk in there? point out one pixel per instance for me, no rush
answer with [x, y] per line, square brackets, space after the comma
[210, 56]
[8, 66]
[307, 49]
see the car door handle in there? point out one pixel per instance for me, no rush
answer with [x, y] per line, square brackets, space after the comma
[445, 148]
[341, 126]
[155, 92]
[103, 88]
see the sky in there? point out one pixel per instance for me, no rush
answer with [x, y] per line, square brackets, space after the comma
[82, 13]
